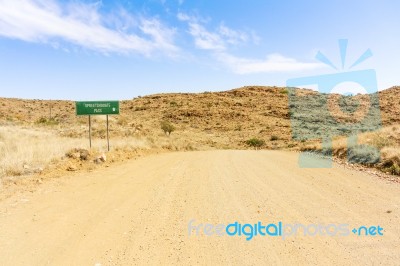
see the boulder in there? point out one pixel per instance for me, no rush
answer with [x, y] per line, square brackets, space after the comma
[78, 154]
[100, 158]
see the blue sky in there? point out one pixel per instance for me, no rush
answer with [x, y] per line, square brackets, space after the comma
[83, 50]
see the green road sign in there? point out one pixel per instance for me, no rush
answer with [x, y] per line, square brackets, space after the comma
[97, 108]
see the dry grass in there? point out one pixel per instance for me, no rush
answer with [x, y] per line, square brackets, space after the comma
[386, 140]
[26, 150]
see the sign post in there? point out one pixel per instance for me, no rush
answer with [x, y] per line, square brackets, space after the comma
[97, 108]
[90, 132]
[108, 139]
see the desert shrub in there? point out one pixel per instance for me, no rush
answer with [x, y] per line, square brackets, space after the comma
[47, 121]
[394, 169]
[173, 104]
[274, 137]
[167, 127]
[140, 108]
[255, 142]
[363, 154]
[291, 145]
[41, 120]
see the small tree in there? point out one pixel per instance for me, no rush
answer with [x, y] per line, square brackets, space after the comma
[167, 127]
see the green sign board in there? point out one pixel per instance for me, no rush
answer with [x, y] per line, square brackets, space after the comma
[97, 108]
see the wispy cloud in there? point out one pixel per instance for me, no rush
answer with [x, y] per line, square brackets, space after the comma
[272, 63]
[46, 21]
[220, 40]
[204, 39]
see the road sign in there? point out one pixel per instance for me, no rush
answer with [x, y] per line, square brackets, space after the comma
[97, 108]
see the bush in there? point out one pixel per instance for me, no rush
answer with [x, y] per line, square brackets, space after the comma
[363, 154]
[274, 137]
[167, 127]
[47, 122]
[394, 169]
[255, 142]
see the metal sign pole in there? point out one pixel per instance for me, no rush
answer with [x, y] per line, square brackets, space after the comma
[90, 132]
[108, 139]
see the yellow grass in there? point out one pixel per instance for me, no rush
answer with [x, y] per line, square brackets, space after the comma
[386, 140]
[37, 147]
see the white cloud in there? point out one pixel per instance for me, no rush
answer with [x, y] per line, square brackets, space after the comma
[44, 21]
[219, 41]
[204, 39]
[232, 36]
[161, 35]
[183, 17]
[273, 63]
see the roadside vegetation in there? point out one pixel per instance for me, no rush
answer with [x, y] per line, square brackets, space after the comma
[386, 141]
[255, 143]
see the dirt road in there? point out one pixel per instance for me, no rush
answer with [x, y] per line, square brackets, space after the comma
[139, 213]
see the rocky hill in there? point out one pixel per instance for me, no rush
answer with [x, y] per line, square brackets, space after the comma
[205, 120]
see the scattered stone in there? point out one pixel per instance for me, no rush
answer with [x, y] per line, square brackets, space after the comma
[103, 157]
[72, 168]
[78, 154]
[84, 154]
[39, 170]
[100, 159]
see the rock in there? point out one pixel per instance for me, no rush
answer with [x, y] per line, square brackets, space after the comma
[84, 154]
[72, 168]
[26, 166]
[79, 154]
[100, 159]
[38, 170]
[73, 154]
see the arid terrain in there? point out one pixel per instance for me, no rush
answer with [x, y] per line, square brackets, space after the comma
[230, 157]
[138, 213]
[37, 134]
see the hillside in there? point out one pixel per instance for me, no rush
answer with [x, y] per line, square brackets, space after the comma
[37, 134]
[210, 119]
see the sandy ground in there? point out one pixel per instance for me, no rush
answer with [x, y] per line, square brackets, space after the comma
[138, 213]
